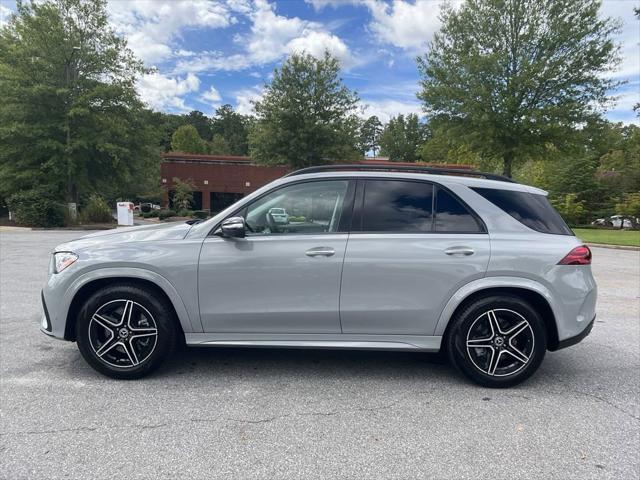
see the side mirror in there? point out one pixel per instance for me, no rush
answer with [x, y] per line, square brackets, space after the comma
[233, 227]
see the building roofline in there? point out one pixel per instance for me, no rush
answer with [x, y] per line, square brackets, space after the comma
[244, 160]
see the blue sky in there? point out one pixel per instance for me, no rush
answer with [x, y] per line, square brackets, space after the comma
[208, 53]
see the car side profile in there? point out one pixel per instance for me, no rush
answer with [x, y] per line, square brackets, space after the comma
[411, 258]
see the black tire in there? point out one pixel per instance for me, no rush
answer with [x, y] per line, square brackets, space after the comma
[473, 350]
[134, 341]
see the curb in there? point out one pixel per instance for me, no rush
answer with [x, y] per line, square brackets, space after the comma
[614, 247]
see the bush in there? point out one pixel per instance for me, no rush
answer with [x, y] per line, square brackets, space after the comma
[164, 214]
[36, 208]
[150, 214]
[203, 214]
[96, 211]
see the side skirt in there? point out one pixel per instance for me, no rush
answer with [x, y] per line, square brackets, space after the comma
[421, 343]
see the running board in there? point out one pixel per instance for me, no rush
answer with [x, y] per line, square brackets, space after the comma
[348, 341]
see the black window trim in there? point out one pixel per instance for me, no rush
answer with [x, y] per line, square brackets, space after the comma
[346, 218]
[358, 208]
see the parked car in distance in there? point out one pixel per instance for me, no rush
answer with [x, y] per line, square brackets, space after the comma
[403, 258]
[279, 215]
[617, 221]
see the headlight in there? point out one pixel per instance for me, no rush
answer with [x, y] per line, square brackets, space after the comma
[62, 260]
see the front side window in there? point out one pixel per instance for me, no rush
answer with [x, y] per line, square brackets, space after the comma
[312, 207]
[397, 206]
[530, 209]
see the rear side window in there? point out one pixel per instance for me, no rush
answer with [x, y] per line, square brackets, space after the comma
[530, 209]
[452, 216]
[397, 206]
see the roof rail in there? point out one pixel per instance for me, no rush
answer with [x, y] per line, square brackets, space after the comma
[400, 168]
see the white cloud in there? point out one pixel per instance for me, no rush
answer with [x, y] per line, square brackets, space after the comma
[244, 99]
[629, 37]
[5, 13]
[211, 97]
[385, 109]
[271, 37]
[404, 24]
[161, 92]
[152, 26]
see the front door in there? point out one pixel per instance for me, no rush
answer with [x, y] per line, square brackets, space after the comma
[284, 276]
[403, 262]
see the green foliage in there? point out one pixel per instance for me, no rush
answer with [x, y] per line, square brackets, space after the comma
[572, 210]
[37, 208]
[511, 76]
[201, 123]
[185, 212]
[233, 128]
[186, 139]
[70, 118]
[629, 205]
[183, 194]
[164, 214]
[96, 211]
[218, 145]
[402, 138]
[150, 214]
[306, 116]
[369, 135]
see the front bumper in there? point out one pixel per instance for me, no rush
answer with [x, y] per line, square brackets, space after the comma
[567, 342]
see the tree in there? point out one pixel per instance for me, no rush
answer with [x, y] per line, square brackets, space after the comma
[369, 135]
[70, 119]
[201, 122]
[306, 116]
[571, 209]
[183, 194]
[629, 206]
[218, 145]
[233, 128]
[401, 138]
[186, 139]
[513, 75]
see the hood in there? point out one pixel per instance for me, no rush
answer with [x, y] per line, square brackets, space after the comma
[144, 233]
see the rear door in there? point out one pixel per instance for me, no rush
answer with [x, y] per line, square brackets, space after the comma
[412, 245]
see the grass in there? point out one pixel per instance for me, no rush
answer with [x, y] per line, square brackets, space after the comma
[611, 237]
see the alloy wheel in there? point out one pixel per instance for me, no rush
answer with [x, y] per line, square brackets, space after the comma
[500, 342]
[122, 333]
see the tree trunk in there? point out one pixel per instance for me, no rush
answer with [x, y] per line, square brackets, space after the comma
[507, 163]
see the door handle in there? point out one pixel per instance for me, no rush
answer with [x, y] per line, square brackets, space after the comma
[463, 251]
[320, 252]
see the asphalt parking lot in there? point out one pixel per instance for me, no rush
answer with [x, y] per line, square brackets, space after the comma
[237, 413]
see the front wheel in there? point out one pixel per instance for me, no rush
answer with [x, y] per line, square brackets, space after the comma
[497, 341]
[125, 331]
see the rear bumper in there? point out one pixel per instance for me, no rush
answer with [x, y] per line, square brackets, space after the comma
[567, 342]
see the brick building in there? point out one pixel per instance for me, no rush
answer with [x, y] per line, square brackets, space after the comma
[220, 180]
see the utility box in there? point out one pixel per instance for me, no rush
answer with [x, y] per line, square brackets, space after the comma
[125, 213]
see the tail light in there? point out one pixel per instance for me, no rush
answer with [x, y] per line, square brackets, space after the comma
[578, 256]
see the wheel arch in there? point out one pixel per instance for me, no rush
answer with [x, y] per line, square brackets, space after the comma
[85, 287]
[535, 294]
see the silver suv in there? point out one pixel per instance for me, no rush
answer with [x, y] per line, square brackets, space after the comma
[407, 258]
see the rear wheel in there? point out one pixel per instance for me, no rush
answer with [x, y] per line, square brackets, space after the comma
[497, 341]
[125, 331]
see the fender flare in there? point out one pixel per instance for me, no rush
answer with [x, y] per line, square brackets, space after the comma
[492, 282]
[189, 325]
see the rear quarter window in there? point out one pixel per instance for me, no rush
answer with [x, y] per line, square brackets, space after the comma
[530, 209]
